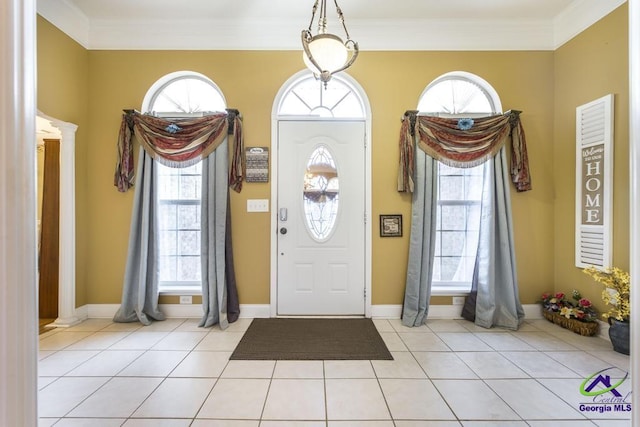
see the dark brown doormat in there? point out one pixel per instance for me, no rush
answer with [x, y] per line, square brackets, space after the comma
[311, 339]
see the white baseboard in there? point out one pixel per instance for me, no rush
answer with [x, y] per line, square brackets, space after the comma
[100, 311]
[193, 311]
[255, 310]
[603, 331]
[531, 311]
[107, 311]
[382, 311]
[378, 311]
[82, 312]
[394, 311]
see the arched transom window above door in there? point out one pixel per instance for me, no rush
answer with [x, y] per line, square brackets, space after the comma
[309, 97]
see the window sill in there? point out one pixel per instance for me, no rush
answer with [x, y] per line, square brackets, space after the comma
[180, 290]
[450, 291]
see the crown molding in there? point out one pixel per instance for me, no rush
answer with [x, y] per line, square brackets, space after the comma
[282, 34]
[579, 16]
[68, 18]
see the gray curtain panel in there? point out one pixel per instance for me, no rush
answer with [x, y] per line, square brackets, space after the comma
[497, 300]
[215, 191]
[421, 241]
[494, 300]
[140, 287]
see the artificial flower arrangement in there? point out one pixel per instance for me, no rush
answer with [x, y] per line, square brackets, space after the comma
[616, 295]
[581, 309]
[616, 292]
[578, 315]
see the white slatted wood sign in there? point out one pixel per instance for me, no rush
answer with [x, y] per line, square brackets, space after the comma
[594, 182]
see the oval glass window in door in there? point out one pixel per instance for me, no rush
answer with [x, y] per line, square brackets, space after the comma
[320, 195]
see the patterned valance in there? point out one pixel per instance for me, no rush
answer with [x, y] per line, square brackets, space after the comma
[462, 143]
[179, 142]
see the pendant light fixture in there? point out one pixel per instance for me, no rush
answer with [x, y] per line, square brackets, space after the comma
[326, 54]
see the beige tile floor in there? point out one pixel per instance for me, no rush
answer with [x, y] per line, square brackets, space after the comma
[447, 373]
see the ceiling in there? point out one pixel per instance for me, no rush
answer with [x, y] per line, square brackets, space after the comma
[276, 24]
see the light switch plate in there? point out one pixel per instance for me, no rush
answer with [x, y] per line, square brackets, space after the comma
[258, 205]
[186, 299]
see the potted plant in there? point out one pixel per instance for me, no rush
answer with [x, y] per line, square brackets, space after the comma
[578, 315]
[616, 296]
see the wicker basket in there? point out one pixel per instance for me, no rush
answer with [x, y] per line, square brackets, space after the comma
[586, 329]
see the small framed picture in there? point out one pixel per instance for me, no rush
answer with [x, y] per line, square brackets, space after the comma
[390, 225]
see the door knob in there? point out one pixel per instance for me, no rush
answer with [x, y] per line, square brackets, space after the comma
[283, 230]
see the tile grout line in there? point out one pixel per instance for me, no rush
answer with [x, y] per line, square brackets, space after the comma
[540, 349]
[434, 386]
[325, 396]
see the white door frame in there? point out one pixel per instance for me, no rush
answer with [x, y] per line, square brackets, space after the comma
[274, 187]
[66, 132]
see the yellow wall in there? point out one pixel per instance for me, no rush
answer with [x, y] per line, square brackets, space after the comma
[250, 80]
[524, 80]
[588, 67]
[63, 93]
[119, 79]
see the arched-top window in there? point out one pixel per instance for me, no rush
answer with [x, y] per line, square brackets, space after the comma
[180, 94]
[457, 93]
[183, 93]
[459, 190]
[309, 97]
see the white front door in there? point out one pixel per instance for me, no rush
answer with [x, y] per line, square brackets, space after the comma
[321, 218]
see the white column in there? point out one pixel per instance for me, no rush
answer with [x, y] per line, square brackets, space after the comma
[67, 262]
[634, 215]
[18, 297]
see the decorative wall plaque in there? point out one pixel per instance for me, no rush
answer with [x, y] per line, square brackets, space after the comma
[390, 225]
[257, 164]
